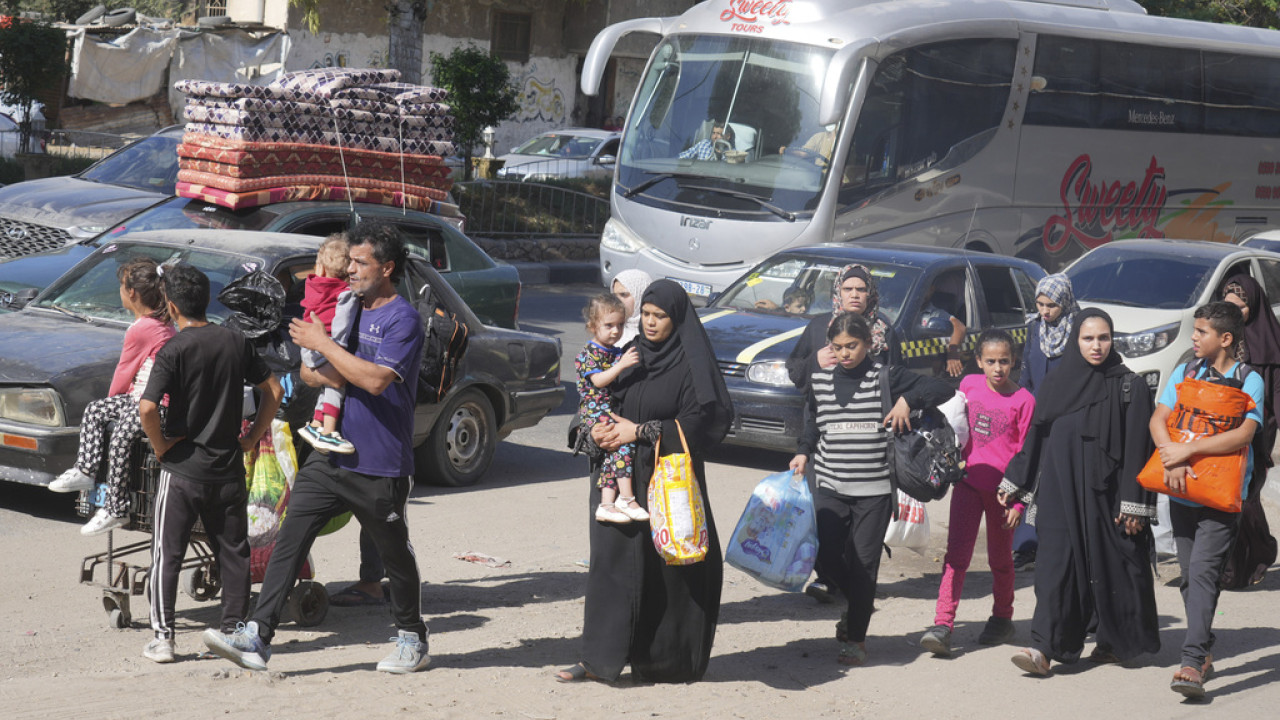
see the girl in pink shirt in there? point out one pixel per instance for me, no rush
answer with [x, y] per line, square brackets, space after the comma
[999, 416]
[140, 294]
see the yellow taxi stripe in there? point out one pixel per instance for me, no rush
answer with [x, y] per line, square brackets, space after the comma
[708, 318]
[938, 346]
[749, 353]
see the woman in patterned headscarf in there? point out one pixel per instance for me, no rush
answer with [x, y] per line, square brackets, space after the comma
[854, 290]
[1048, 330]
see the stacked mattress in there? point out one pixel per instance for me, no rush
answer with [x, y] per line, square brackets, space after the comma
[329, 134]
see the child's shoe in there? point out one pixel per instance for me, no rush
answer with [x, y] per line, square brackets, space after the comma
[611, 514]
[101, 522]
[636, 513]
[998, 631]
[326, 442]
[937, 640]
[159, 650]
[72, 480]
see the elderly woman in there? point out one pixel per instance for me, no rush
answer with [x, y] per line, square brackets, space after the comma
[659, 618]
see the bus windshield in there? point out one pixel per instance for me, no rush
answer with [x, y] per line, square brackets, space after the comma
[729, 124]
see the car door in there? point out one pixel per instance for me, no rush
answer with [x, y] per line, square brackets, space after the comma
[944, 293]
[1008, 298]
[1269, 277]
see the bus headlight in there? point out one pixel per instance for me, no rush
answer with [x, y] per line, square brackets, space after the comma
[618, 238]
[770, 372]
[1146, 342]
[33, 406]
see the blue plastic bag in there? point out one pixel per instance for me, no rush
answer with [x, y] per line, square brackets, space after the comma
[776, 540]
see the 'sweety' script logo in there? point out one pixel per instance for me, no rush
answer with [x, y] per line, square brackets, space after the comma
[745, 13]
[1092, 213]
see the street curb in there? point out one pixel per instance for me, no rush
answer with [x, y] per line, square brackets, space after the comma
[558, 273]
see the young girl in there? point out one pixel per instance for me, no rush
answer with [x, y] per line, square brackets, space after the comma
[844, 431]
[598, 365]
[140, 293]
[999, 415]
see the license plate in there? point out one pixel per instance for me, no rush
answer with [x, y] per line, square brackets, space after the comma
[693, 288]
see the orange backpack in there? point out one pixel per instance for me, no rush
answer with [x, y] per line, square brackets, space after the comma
[1205, 409]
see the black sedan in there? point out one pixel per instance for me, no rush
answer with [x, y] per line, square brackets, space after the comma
[57, 354]
[753, 333]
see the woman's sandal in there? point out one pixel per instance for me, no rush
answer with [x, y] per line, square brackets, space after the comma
[1103, 656]
[852, 654]
[576, 673]
[1032, 661]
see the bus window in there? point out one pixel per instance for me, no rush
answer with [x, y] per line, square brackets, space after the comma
[922, 104]
[1242, 95]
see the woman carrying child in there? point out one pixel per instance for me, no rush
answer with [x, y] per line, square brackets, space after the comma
[999, 415]
[141, 295]
[845, 435]
[598, 366]
[1079, 466]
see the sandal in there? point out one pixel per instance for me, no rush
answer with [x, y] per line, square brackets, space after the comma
[852, 654]
[577, 673]
[1032, 661]
[1103, 656]
[1189, 681]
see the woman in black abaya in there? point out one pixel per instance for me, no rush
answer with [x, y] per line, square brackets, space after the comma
[1093, 569]
[659, 618]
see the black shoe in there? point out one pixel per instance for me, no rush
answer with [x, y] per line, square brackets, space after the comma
[1024, 561]
[998, 631]
[822, 592]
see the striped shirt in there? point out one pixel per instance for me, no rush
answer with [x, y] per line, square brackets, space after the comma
[851, 456]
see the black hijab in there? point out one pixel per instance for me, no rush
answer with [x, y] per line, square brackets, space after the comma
[1262, 331]
[1075, 384]
[687, 351]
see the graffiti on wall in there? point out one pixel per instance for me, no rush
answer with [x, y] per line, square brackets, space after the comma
[336, 51]
[540, 98]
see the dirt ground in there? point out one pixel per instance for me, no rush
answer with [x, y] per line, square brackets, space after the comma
[499, 633]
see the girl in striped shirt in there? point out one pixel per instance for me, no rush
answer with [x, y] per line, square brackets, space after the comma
[846, 434]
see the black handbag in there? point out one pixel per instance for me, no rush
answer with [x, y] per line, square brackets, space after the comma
[925, 461]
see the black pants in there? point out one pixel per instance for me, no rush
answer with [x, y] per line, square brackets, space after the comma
[321, 492]
[850, 539]
[221, 507]
[1203, 537]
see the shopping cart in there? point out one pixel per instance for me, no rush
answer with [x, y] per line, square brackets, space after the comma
[124, 571]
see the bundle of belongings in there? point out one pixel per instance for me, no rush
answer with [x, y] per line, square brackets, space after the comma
[328, 134]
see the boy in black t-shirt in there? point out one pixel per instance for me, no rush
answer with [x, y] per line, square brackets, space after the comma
[203, 370]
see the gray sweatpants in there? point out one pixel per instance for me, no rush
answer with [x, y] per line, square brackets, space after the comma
[1203, 537]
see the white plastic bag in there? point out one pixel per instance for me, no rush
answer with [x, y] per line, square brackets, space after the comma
[911, 529]
[776, 540]
[956, 411]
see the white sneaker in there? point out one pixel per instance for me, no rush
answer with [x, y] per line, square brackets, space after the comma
[101, 522]
[71, 481]
[160, 650]
[611, 514]
[410, 654]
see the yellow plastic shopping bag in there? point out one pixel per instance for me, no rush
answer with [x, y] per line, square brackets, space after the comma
[676, 516]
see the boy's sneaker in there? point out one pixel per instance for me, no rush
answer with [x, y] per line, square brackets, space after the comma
[243, 647]
[409, 656]
[937, 640]
[998, 631]
[101, 522]
[72, 481]
[159, 650]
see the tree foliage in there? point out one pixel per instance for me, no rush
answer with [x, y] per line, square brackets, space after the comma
[1255, 13]
[33, 56]
[480, 93]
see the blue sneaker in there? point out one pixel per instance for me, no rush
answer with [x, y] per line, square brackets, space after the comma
[409, 656]
[243, 647]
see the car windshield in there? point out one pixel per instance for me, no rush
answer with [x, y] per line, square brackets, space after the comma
[92, 290]
[1116, 275]
[560, 145]
[182, 214]
[809, 280]
[149, 164]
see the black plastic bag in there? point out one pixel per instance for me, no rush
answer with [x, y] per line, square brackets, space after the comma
[256, 302]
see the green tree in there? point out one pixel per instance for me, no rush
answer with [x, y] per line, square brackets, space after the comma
[33, 56]
[480, 92]
[1255, 13]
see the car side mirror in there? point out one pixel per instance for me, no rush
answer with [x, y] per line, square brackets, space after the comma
[18, 299]
[606, 159]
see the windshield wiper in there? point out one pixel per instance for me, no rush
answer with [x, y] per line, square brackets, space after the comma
[784, 214]
[68, 311]
[657, 178]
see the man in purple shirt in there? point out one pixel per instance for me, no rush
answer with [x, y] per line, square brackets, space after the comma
[380, 373]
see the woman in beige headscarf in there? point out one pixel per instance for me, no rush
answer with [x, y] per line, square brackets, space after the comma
[629, 286]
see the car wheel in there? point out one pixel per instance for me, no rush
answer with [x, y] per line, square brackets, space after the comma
[461, 445]
[96, 12]
[119, 16]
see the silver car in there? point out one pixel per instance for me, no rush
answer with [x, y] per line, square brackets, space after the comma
[571, 153]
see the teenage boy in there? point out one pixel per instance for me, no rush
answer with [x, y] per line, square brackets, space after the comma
[1203, 536]
[203, 370]
[373, 482]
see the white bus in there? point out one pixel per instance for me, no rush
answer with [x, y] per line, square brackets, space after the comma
[1026, 128]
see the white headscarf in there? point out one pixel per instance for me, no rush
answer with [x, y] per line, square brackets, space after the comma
[636, 282]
